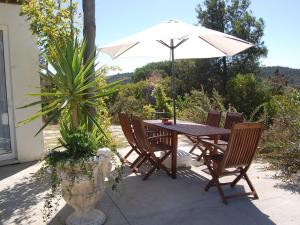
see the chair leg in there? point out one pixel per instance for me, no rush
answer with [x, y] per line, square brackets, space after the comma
[126, 156]
[154, 167]
[157, 165]
[160, 165]
[193, 148]
[237, 179]
[215, 180]
[203, 152]
[149, 173]
[136, 161]
[200, 157]
[221, 192]
[139, 164]
[251, 186]
[209, 184]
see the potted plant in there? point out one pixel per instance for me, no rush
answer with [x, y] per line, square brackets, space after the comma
[76, 166]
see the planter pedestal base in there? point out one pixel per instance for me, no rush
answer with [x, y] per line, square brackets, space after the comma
[83, 190]
[94, 217]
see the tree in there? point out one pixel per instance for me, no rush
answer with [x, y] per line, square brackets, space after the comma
[235, 18]
[144, 72]
[245, 93]
[51, 20]
[89, 32]
[89, 26]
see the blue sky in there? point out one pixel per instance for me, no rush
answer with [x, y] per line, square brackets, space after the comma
[116, 19]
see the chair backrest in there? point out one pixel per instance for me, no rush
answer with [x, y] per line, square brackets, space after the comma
[213, 118]
[140, 134]
[242, 145]
[231, 119]
[125, 123]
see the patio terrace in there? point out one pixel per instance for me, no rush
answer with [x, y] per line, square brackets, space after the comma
[157, 201]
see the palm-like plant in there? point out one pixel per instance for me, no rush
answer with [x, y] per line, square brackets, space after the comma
[74, 90]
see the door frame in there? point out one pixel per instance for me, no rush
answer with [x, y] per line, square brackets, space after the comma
[9, 96]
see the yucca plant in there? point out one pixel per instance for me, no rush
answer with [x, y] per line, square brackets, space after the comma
[70, 100]
[74, 89]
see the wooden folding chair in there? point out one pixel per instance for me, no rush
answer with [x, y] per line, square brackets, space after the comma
[149, 145]
[239, 153]
[213, 119]
[128, 133]
[231, 119]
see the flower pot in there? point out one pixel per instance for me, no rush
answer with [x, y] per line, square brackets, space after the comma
[83, 188]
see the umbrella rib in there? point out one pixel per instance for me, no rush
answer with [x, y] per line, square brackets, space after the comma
[126, 50]
[213, 46]
[240, 40]
[182, 41]
[163, 43]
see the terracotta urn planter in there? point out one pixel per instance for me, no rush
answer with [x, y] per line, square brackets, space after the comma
[83, 188]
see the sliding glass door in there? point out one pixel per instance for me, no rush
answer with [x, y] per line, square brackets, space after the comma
[5, 131]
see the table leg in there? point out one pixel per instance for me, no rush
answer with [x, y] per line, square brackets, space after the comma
[215, 150]
[216, 138]
[174, 154]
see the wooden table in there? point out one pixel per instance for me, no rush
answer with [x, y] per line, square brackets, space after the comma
[186, 128]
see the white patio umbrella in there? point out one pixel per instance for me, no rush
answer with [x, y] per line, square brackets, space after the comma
[172, 40]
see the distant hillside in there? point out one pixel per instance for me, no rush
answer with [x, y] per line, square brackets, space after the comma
[120, 76]
[292, 75]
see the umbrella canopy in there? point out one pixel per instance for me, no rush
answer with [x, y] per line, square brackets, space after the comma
[172, 40]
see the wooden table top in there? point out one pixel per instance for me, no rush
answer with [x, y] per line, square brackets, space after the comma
[189, 128]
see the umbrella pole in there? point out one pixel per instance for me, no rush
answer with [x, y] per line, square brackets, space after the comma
[173, 80]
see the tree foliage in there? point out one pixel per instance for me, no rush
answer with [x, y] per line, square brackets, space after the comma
[245, 93]
[195, 105]
[70, 95]
[144, 72]
[51, 20]
[280, 144]
[235, 18]
[132, 99]
[162, 101]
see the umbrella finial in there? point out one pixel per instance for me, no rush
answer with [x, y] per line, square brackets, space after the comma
[173, 21]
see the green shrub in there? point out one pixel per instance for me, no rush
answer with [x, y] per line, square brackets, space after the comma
[162, 101]
[280, 143]
[148, 112]
[195, 106]
[131, 99]
[246, 94]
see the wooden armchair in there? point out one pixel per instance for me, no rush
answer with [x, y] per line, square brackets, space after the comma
[213, 119]
[149, 145]
[239, 153]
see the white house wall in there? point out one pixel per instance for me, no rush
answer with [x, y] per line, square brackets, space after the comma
[23, 74]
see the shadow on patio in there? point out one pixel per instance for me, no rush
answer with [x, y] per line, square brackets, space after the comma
[164, 201]
[21, 197]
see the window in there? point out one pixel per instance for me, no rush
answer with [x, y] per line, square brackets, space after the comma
[5, 140]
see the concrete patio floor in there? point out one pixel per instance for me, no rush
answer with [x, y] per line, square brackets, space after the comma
[157, 201]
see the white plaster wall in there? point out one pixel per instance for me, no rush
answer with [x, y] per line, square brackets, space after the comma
[23, 71]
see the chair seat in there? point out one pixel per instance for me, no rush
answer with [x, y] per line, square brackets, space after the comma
[184, 159]
[210, 141]
[195, 139]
